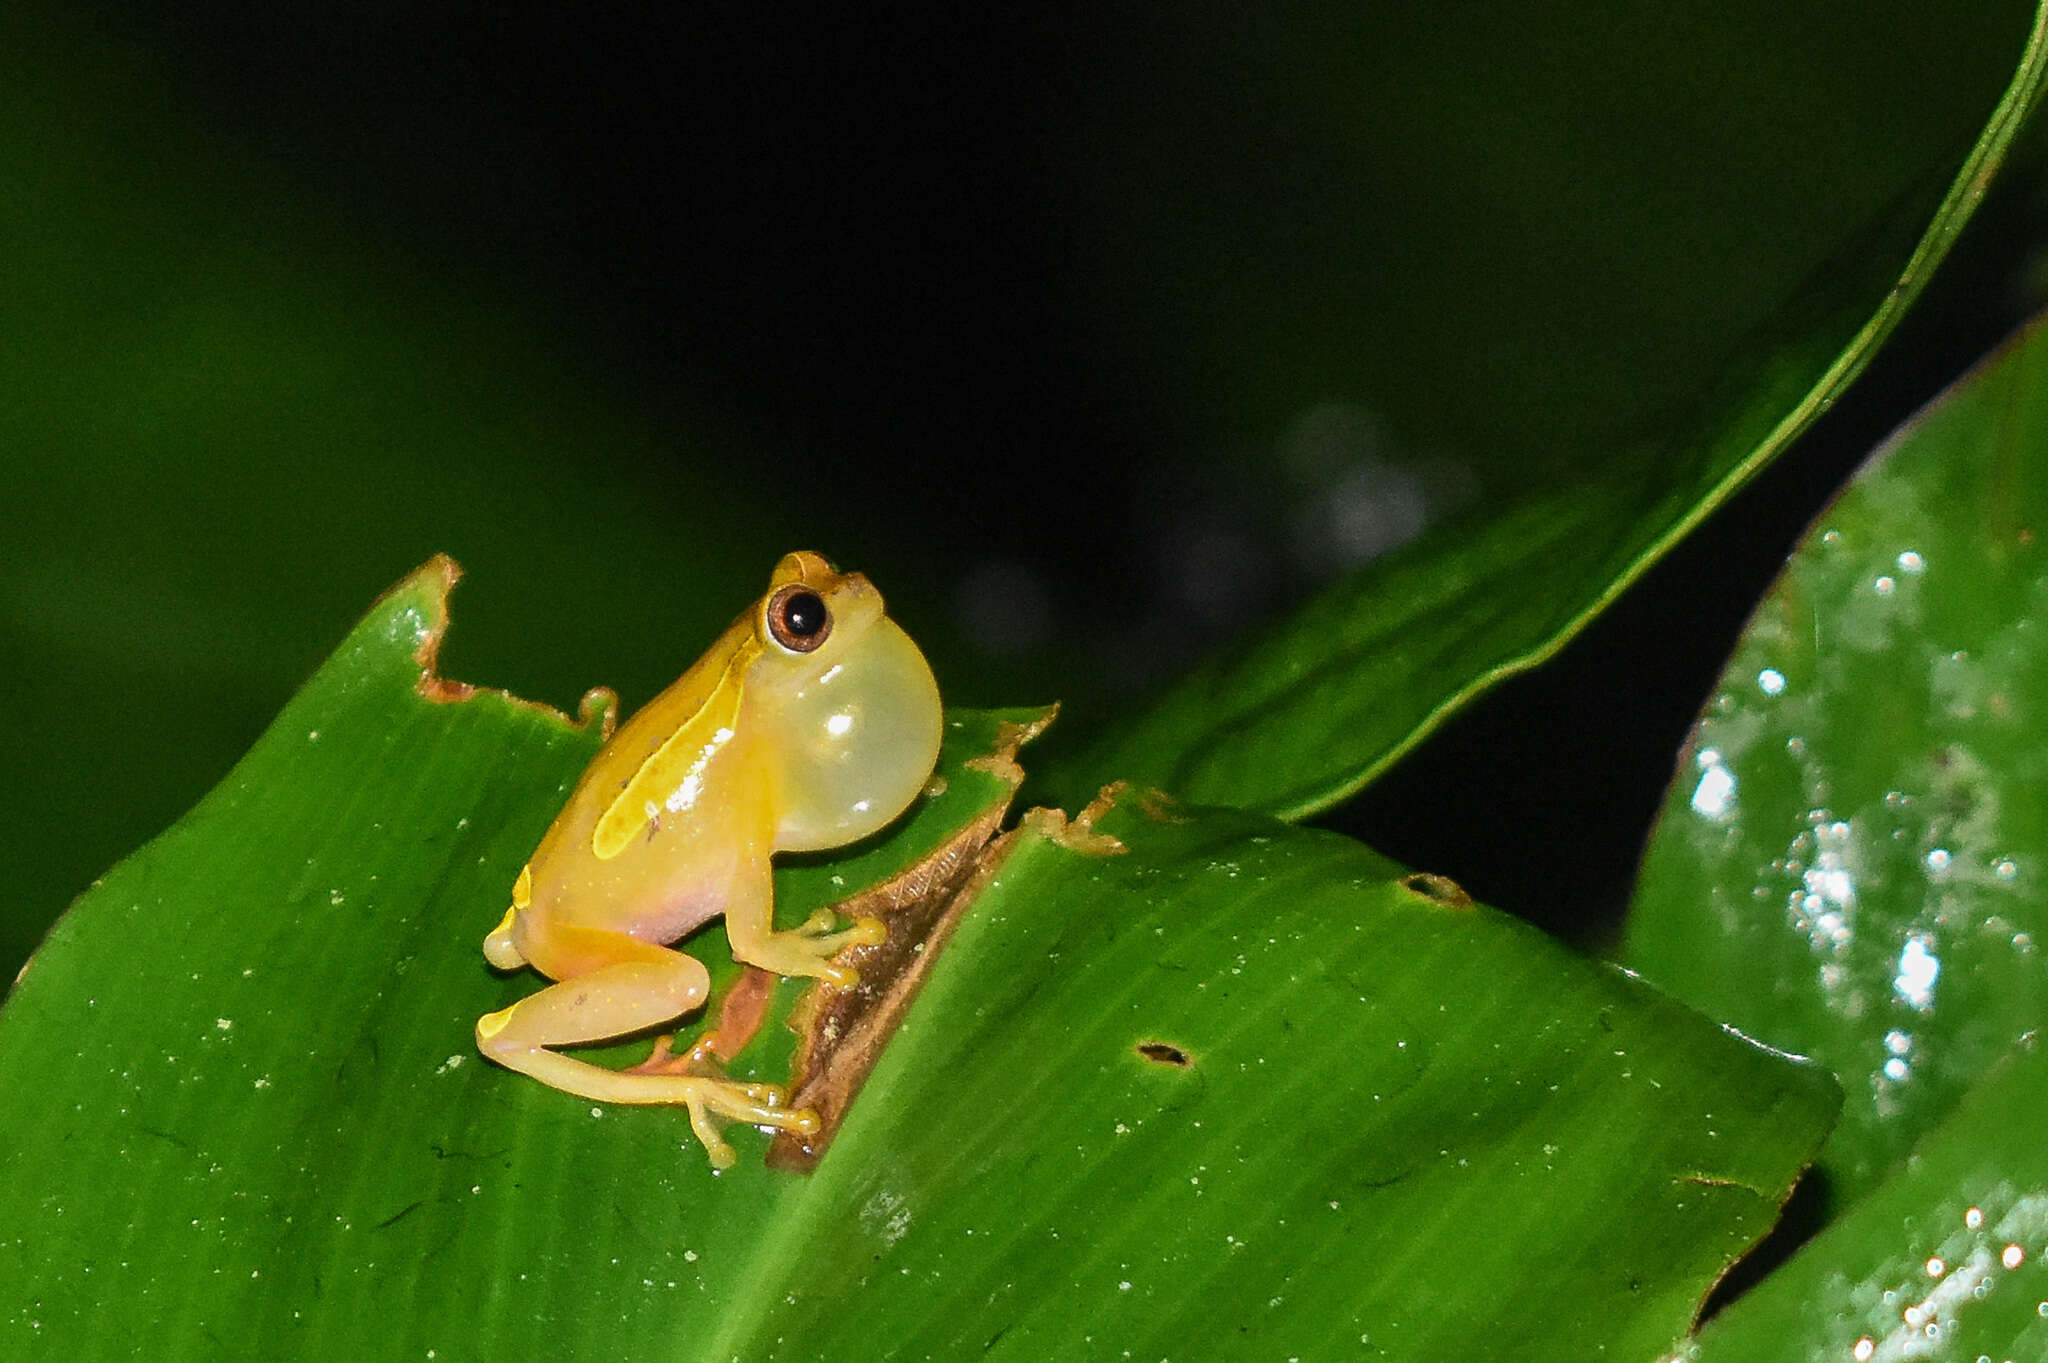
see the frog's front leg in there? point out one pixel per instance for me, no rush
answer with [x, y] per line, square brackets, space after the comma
[806, 950]
[642, 986]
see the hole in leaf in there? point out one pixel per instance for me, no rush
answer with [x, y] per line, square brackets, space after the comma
[1161, 1053]
[1437, 890]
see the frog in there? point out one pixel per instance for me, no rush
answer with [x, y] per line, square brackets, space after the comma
[813, 722]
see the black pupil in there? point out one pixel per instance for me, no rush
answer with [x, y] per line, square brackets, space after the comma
[803, 614]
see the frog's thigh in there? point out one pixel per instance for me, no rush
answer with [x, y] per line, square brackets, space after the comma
[647, 986]
[651, 985]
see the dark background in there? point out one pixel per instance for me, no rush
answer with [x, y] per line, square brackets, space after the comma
[1024, 313]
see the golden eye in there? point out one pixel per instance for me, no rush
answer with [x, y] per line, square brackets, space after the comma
[798, 619]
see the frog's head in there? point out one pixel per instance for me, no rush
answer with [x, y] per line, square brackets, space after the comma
[846, 702]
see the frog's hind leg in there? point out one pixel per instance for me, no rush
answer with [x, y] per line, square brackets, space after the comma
[649, 987]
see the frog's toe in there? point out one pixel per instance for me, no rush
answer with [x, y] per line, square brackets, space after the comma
[819, 924]
[826, 939]
[713, 1104]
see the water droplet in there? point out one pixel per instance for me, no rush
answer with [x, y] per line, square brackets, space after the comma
[1919, 968]
[1973, 1218]
[2013, 1257]
[1885, 586]
[1771, 681]
[2005, 868]
[1911, 562]
[1715, 794]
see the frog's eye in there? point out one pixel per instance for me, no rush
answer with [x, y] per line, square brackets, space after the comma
[798, 620]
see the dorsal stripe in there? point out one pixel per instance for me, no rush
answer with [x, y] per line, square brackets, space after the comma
[669, 767]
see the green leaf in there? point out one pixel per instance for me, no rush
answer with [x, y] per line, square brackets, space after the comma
[1311, 710]
[1945, 1262]
[1851, 861]
[1184, 1080]
[1242, 1091]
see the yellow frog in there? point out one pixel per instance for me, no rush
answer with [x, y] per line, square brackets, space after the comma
[811, 723]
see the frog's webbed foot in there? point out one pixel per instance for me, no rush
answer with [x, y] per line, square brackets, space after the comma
[719, 1099]
[714, 1102]
[808, 948]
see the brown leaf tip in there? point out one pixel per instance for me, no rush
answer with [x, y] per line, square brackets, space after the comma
[1156, 805]
[1001, 761]
[1079, 833]
[436, 578]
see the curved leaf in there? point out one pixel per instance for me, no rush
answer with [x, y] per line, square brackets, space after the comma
[1311, 710]
[1851, 861]
[1945, 1262]
[1184, 1080]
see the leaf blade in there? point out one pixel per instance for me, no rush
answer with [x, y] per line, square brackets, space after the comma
[1847, 864]
[1942, 1261]
[1321, 703]
[1345, 1103]
[263, 1020]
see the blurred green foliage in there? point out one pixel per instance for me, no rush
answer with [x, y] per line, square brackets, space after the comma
[1064, 330]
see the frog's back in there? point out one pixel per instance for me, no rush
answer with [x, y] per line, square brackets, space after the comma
[667, 813]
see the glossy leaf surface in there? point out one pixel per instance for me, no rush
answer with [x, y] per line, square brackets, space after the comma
[1310, 710]
[1945, 1262]
[1243, 1092]
[1237, 1089]
[1852, 862]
